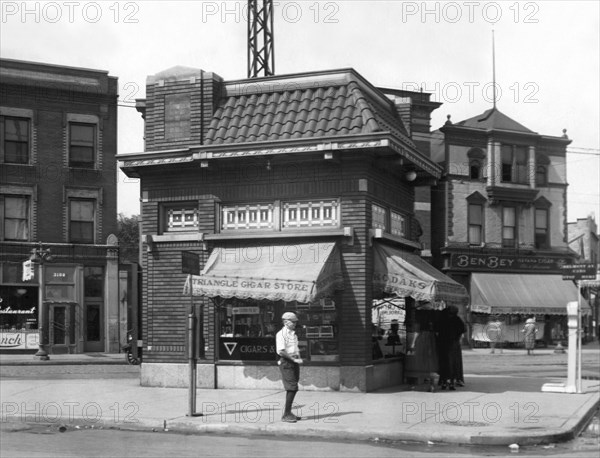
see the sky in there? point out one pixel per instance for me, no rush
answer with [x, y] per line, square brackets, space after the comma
[546, 58]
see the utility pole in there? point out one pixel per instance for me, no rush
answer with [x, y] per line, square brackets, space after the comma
[261, 56]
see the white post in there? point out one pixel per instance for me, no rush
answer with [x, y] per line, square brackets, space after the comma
[573, 331]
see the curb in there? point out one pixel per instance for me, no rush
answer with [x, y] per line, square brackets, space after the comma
[573, 428]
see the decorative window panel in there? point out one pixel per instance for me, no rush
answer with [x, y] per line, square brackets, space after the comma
[310, 214]
[398, 224]
[183, 219]
[256, 216]
[378, 217]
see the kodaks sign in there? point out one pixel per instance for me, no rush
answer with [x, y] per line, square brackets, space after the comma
[505, 263]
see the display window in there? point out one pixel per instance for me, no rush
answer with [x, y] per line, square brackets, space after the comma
[18, 309]
[248, 328]
[388, 318]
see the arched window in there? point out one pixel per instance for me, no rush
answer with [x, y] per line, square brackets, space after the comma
[476, 160]
[474, 169]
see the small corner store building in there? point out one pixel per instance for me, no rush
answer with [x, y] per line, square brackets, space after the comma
[283, 187]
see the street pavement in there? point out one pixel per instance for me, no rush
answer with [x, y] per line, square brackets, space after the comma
[496, 409]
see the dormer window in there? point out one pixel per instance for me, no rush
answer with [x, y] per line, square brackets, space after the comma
[476, 160]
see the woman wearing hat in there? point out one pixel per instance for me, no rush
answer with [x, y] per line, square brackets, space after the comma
[286, 342]
[530, 330]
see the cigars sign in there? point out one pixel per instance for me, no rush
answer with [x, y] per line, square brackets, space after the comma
[507, 263]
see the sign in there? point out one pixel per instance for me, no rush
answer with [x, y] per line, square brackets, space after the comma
[247, 349]
[190, 263]
[28, 270]
[585, 271]
[506, 263]
[19, 340]
[245, 310]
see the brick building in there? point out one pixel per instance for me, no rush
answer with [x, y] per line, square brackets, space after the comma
[294, 192]
[499, 222]
[58, 128]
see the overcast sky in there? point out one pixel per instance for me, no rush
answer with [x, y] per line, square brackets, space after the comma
[547, 65]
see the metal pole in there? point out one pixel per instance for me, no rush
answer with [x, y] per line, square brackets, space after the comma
[192, 355]
[579, 336]
[41, 354]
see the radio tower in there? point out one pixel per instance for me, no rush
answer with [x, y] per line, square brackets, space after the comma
[261, 56]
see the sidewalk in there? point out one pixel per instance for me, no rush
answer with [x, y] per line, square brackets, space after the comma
[491, 410]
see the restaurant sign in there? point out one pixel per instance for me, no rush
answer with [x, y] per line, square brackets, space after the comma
[507, 263]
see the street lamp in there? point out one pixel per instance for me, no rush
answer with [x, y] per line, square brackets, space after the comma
[40, 256]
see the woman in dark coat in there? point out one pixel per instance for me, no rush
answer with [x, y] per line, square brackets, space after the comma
[450, 330]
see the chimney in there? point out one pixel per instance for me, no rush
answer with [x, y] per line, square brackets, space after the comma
[180, 103]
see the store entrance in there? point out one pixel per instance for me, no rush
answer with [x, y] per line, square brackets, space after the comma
[93, 326]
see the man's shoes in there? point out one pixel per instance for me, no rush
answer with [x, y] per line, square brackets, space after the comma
[289, 418]
[297, 417]
[451, 388]
[460, 383]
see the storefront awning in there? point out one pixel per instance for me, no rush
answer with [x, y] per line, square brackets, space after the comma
[287, 272]
[406, 274]
[521, 294]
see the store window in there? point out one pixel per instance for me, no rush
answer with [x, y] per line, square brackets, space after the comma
[82, 145]
[15, 140]
[509, 227]
[82, 220]
[248, 328]
[15, 216]
[388, 318]
[59, 283]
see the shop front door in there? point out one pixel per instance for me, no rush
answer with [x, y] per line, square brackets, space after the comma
[60, 328]
[94, 341]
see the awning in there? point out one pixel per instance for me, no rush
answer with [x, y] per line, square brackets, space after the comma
[287, 272]
[521, 293]
[406, 274]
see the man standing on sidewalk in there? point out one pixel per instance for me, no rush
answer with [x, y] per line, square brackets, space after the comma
[289, 362]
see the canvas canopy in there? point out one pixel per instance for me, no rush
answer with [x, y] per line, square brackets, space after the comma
[406, 274]
[288, 272]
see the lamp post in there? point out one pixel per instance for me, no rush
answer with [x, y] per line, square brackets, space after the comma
[40, 256]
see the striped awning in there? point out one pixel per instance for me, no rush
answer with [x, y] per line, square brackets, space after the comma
[521, 294]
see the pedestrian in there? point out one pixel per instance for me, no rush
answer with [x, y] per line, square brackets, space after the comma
[530, 330]
[286, 342]
[495, 331]
[450, 330]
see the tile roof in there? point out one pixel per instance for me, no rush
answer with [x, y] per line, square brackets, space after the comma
[321, 110]
[493, 119]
